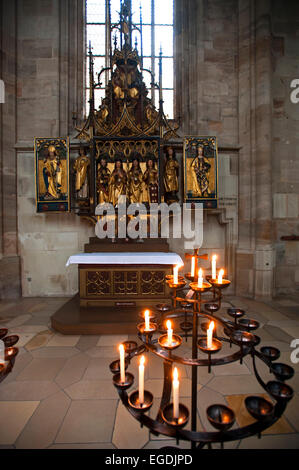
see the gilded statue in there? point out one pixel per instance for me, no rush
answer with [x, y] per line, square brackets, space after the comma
[52, 174]
[200, 173]
[103, 178]
[135, 182]
[81, 166]
[171, 183]
[150, 179]
[117, 183]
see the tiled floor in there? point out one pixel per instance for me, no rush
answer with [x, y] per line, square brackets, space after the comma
[60, 393]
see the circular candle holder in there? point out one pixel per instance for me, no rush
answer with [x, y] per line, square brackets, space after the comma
[152, 328]
[282, 371]
[147, 403]
[279, 390]
[181, 421]
[271, 353]
[235, 313]
[3, 332]
[11, 353]
[186, 305]
[256, 340]
[10, 341]
[212, 307]
[242, 337]
[115, 366]
[186, 326]
[129, 346]
[259, 407]
[249, 324]
[163, 308]
[219, 285]
[202, 344]
[179, 285]
[129, 380]
[189, 277]
[221, 417]
[205, 287]
[169, 277]
[176, 342]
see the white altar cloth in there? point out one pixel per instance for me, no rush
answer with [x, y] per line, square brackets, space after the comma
[125, 258]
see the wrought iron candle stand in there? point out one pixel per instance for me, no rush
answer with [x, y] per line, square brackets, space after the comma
[10, 353]
[238, 332]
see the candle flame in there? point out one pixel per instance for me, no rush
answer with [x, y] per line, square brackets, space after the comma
[142, 360]
[211, 326]
[175, 374]
[168, 324]
[220, 275]
[214, 257]
[121, 348]
[146, 313]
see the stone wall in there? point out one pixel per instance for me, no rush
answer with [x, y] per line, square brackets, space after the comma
[285, 26]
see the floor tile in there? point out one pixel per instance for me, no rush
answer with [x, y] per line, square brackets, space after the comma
[42, 428]
[17, 321]
[53, 352]
[88, 421]
[234, 384]
[42, 369]
[14, 416]
[27, 390]
[284, 441]
[39, 340]
[92, 389]
[63, 341]
[112, 340]
[87, 342]
[73, 370]
[130, 436]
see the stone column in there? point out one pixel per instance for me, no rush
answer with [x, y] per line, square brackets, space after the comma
[10, 281]
[264, 254]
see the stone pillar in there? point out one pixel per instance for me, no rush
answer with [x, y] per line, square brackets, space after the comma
[264, 253]
[10, 281]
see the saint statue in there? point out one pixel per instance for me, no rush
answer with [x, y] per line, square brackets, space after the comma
[200, 170]
[171, 183]
[52, 174]
[103, 178]
[81, 166]
[150, 179]
[135, 182]
[118, 182]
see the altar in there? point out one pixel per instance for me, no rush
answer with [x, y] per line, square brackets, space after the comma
[123, 279]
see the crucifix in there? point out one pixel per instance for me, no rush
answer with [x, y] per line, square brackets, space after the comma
[196, 257]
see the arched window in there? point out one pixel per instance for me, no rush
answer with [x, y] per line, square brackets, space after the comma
[156, 17]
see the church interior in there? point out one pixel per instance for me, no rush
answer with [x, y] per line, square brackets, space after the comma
[149, 231]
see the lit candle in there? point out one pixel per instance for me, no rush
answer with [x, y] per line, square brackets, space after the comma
[147, 323]
[141, 380]
[122, 363]
[200, 278]
[214, 275]
[169, 332]
[2, 352]
[192, 266]
[175, 393]
[210, 335]
[175, 274]
[220, 276]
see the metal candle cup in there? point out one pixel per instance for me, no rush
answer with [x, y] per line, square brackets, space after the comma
[259, 407]
[221, 417]
[147, 402]
[167, 415]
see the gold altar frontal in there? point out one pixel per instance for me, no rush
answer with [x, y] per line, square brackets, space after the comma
[123, 285]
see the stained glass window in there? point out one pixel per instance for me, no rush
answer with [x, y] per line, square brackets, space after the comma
[157, 33]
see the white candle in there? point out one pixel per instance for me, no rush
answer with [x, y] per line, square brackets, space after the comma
[210, 335]
[220, 276]
[2, 352]
[169, 332]
[214, 275]
[147, 322]
[192, 266]
[175, 393]
[175, 274]
[200, 278]
[141, 380]
[122, 363]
